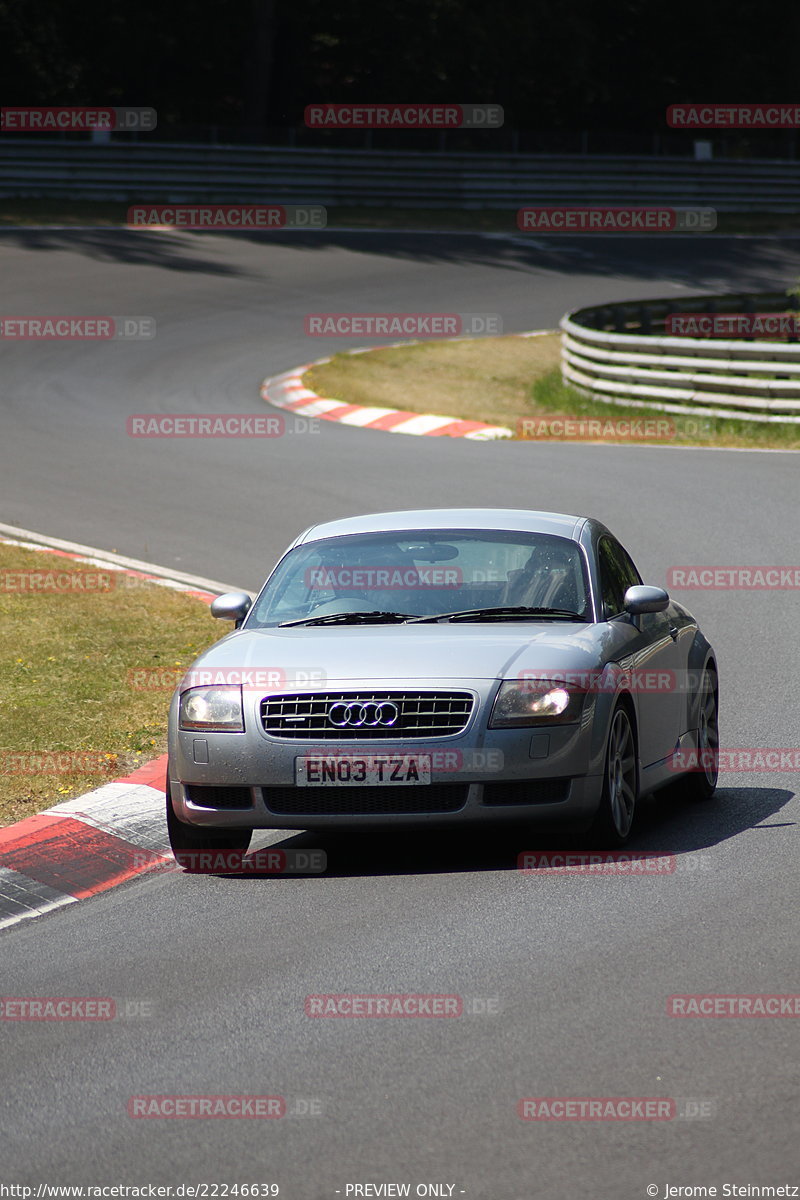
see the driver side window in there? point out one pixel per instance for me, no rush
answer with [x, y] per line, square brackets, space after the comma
[617, 574]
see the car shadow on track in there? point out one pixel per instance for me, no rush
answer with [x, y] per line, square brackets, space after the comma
[666, 824]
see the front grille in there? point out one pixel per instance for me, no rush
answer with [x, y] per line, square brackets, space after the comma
[526, 791]
[219, 797]
[363, 801]
[420, 715]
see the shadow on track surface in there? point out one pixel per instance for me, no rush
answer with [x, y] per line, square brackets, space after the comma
[163, 250]
[665, 825]
[757, 263]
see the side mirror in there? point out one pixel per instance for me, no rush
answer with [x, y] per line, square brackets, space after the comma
[233, 606]
[643, 599]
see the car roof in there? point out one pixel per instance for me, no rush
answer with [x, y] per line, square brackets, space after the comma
[520, 519]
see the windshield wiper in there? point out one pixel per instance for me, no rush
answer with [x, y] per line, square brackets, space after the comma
[356, 618]
[504, 612]
[509, 612]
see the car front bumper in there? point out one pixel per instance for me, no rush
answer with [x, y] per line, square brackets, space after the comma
[544, 773]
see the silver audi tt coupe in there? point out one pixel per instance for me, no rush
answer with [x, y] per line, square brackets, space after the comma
[445, 666]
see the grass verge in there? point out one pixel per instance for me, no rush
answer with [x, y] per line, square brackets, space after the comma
[85, 675]
[508, 380]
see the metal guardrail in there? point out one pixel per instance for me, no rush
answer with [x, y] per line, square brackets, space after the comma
[619, 354]
[159, 171]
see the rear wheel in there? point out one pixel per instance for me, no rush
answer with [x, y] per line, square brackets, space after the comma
[701, 783]
[612, 825]
[187, 839]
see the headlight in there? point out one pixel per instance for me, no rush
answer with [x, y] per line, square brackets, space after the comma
[212, 708]
[536, 702]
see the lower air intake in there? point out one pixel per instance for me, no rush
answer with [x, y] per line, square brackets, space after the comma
[526, 791]
[365, 801]
[219, 797]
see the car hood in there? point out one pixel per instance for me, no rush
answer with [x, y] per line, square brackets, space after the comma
[350, 653]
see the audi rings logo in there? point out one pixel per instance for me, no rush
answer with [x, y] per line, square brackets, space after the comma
[370, 713]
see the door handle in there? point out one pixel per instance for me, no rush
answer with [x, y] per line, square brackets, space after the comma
[673, 632]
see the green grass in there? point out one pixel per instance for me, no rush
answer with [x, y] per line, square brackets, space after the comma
[508, 380]
[66, 682]
[481, 380]
[550, 392]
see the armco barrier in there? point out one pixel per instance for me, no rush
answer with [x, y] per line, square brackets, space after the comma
[618, 353]
[180, 172]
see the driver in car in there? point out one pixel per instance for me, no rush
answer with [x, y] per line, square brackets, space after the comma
[547, 580]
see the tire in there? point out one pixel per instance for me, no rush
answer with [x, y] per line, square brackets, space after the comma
[612, 825]
[188, 839]
[700, 784]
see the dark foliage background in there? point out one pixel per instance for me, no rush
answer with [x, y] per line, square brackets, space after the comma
[258, 63]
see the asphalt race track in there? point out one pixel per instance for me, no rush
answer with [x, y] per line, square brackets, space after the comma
[579, 968]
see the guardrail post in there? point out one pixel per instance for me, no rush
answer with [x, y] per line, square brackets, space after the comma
[792, 305]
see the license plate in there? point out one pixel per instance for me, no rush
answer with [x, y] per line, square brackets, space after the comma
[371, 770]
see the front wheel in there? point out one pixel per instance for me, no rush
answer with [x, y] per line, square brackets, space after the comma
[612, 825]
[701, 783]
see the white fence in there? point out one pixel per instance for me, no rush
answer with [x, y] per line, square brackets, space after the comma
[642, 368]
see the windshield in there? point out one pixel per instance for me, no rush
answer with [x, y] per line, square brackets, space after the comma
[423, 574]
